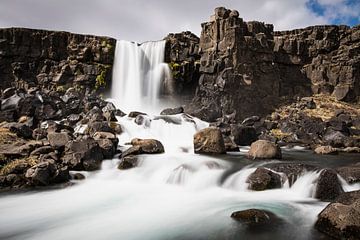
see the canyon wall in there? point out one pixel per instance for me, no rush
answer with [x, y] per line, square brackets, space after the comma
[248, 69]
[54, 60]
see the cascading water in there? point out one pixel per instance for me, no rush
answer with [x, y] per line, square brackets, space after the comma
[139, 74]
[175, 195]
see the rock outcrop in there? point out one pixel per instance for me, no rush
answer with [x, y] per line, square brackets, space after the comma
[32, 58]
[248, 69]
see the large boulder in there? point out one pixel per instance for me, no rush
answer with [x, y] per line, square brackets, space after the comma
[210, 141]
[148, 145]
[84, 154]
[263, 179]
[263, 149]
[340, 221]
[328, 185]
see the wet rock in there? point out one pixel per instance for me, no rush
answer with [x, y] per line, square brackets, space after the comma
[78, 176]
[169, 119]
[263, 179]
[61, 175]
[348, 198]
[108, 147]
[128, 162]
[291, 170]
[172, 111]
[116, 127]
[209, 140]
[350, 173]
[58, 140]
[148, 145]
[135, 114]
[41, 174]
[328, 186]
[84, 154]
[325, 150]
[243, 135]
[340, 221]
[256, 217]
[263, 149]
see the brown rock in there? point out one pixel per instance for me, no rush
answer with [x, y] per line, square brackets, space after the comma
[263, 149]
[209, 140]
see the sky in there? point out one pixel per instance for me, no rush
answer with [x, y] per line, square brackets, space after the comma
[143, 20]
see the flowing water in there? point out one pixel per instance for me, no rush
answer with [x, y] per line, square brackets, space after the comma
[175, 195]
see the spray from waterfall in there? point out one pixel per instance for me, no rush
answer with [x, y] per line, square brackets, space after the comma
[139, 75]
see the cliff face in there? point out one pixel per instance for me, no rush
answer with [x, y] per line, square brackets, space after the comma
[182, 55]
[49, 59]
[248, 69]
[327, 55]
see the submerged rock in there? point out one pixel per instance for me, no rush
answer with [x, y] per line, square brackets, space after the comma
[209, 140]
[263, 149]
[263, 179]
[256, 217]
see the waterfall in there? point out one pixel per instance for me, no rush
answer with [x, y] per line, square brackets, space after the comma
[139, 74]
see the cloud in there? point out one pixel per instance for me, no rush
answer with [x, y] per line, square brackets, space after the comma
[141, 20]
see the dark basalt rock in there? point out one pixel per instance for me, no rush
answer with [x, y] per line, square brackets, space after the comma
[58, 140]
[328, 185]
[256, 218]
[128, 162]
[84, 154]
[135, 114]
[172, 111]
[291, 170]
[263, 179]
[243, 135]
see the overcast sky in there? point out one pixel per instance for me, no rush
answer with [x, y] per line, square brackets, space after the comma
[141, 20]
